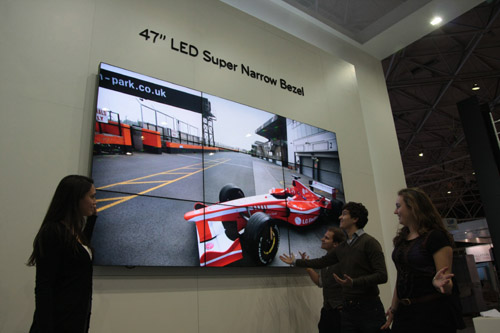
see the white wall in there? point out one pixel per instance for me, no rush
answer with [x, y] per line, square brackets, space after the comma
[49, 54]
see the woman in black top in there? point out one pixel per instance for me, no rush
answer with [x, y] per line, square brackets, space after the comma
[425, 297]
[63, 259]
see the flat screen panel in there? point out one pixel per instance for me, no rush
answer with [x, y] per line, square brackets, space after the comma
[185, 178]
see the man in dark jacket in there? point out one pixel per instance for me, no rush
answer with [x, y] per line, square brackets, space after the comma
[361, 265]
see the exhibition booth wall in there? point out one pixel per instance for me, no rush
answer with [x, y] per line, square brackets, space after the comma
[51, 52]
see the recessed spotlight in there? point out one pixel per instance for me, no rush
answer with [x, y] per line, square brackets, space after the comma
[475, 86]
[436, 20]
[449, 192]
[421, 154]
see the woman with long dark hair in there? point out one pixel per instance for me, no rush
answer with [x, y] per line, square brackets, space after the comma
[63, 259]
[425, 298]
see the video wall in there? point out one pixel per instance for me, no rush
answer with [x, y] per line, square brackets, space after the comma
[185, 178]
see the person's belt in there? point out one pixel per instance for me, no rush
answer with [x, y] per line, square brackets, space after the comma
[421, 299]
[357, 300]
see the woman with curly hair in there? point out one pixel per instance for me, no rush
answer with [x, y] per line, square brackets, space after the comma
[425, 296]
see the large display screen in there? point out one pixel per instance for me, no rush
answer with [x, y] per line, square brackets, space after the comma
[185, 178]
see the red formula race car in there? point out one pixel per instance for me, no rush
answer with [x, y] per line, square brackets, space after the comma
[237, 223]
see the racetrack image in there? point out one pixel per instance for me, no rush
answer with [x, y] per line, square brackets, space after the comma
[141, 225]
[189, 179]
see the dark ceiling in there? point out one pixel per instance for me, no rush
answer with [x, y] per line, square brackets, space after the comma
[425, 81]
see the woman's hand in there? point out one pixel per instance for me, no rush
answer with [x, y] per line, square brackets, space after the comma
[442, 281]
[390, 316]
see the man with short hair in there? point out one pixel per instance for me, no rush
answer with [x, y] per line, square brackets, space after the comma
[329, 321]
[362, 268]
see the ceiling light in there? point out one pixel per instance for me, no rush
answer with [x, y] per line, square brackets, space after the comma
[475, 86]
[449, 192]
[436, 20]
[421, 154]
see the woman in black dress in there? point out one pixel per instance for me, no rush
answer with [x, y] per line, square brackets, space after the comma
[63, 259]
[425, 297]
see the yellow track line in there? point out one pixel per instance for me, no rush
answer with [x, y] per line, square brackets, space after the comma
[128, 182]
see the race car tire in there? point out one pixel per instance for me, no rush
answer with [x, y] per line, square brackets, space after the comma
[230, 192]
[331, 216]
[261, 238]
[227, 193]
[231, 230]
[336, 210]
